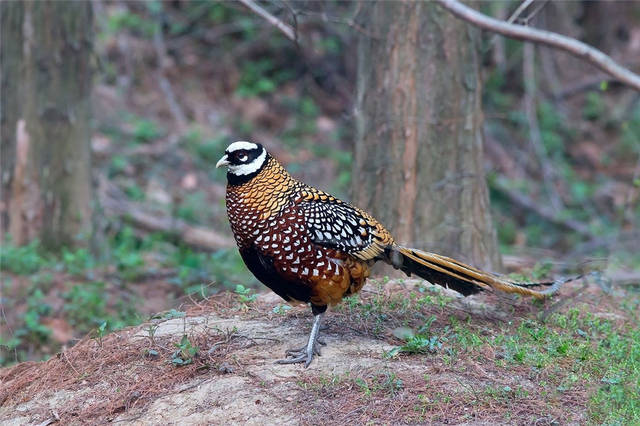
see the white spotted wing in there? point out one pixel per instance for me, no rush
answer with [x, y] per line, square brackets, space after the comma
[341, 226]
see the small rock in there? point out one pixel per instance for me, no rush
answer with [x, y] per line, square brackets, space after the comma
[225, 368]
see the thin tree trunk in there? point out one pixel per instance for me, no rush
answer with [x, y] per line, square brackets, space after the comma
[11, 18]
[418, 158]
[51, 188]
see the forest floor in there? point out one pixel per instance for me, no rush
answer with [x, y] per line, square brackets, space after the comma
[402, 352]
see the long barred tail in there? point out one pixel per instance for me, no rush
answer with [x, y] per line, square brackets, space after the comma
[460, 277]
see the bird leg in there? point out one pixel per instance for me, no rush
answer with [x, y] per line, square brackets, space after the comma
[305, 353]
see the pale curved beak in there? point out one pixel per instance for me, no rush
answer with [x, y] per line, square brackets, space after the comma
[224, 161]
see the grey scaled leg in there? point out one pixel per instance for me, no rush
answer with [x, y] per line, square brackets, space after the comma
[305, 353]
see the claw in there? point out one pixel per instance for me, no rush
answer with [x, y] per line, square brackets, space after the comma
[305, 354]
[302, 356]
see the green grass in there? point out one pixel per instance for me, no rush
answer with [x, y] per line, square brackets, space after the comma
[578, 350]
[586, 351]
[85, 297]
[386, 383]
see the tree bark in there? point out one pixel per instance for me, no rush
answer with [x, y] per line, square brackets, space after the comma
[48, 132]
[418, 156]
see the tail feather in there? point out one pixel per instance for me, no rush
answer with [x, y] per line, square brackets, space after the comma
[458, 276]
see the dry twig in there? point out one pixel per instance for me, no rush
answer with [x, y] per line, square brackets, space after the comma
[542, 211]
[568, 44]
[281, 26]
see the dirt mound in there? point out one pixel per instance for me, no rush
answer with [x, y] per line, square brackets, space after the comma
[214, 364]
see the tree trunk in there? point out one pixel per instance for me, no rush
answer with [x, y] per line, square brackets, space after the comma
[418, 157]
[45, 121]
[11, 17]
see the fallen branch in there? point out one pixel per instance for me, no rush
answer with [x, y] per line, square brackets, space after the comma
[542, 210]
[623, 240]
[568, 44]
[140, 216]
[624, 278]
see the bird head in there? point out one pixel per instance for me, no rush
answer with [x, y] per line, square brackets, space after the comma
[243, 158]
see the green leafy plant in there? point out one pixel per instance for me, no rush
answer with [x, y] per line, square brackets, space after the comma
[22, 260]
[101, 331]
[281, 309]
[134, 192]
[631, 132]
[77, 262]
[256, 78]
[594, 106]
[198, 272]
[419, 343]
[118, 165]
[244, 294]
[207, 151]
[145, 130]
[127, 252]
[391, 383]
[151, 332]
[185, 352]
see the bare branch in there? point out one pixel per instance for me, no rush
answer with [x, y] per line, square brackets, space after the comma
[523, 6]
[568, 44]
[257, 9]
[527, 19]
[515, 15]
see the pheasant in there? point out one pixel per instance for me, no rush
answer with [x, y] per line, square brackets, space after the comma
[310, 247]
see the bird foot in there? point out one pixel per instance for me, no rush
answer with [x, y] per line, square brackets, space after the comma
[300, 355]
[297, 357]
[297, 351]
[305, 354]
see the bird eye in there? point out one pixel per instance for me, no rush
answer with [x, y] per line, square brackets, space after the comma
[243, 158]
